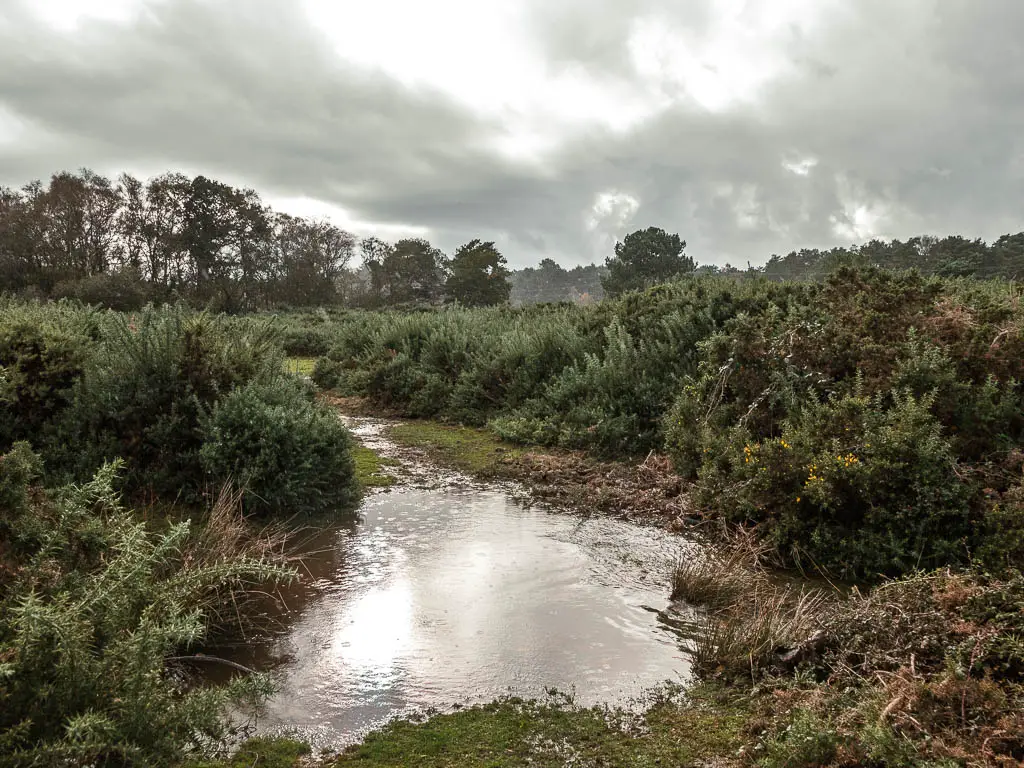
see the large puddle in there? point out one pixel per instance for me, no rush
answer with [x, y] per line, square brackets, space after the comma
[457, 593]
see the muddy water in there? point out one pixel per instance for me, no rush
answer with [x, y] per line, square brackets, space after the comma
[447, 592]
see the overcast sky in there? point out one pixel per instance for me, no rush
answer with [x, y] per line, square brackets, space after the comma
[550, 126]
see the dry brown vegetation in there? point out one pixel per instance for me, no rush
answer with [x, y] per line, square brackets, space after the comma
[928, 669]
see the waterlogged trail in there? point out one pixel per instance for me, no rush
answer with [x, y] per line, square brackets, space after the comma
[451, 592]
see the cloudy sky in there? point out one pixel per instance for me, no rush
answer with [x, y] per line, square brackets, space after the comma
[550, 126]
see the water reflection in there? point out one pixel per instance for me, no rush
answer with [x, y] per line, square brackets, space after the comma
[461, 595]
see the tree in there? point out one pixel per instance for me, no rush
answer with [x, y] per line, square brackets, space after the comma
[415, 272]
[20, 239]
[79, 212]
[311, 257]
[375, 253]
[478, 276]
[644, 258]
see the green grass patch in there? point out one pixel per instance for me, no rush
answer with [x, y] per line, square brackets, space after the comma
[264, 752]
[370, 468]
[470, 449]
[515, 733]
[300, 366]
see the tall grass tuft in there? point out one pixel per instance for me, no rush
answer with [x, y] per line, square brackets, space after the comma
[751, 619]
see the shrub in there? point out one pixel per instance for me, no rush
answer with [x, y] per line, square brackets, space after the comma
[878, 403]
[328, 374]
[609, 402]
[1000, 541]
[122, 291]
[146, 388]
[292, 455]
[307, 335]
[43, 352]
[859, 486]
[96, 607]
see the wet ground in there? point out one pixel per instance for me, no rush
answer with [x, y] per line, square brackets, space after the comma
[450, 592]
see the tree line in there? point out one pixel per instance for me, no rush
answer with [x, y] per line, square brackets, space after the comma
[125, 242]
[950, 256]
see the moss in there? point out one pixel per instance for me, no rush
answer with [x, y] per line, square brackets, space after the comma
[264, 752]
[472, 450]
[370, 468]
[515, 733]
[301, 366]
[709, 727]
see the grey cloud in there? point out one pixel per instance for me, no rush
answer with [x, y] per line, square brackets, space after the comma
[918, 106]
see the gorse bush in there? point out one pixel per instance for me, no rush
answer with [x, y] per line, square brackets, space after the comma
[152, 388]
[857, 485]
[93, 606]
[146, 388]
[610, 400]
[860, 430]
[591, 377]
[290, 455]
[43, 352]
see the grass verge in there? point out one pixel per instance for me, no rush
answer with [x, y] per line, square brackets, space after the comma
[512, 732]
[475, 451]
[707, 728]
[370, 468]
[264, 752]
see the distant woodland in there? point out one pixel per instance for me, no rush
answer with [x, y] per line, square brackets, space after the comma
[126, 242]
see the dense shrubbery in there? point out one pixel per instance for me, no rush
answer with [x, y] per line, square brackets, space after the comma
[870, 424]
[290, 455]
[863, 429]
[43, 352]
[590, 377]
[164, 390]
[94, 603]
[91, 606]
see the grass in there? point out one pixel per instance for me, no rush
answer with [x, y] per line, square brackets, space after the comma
[707, 728]
[472, 450]
[370, 468]
[716, 577]
[300, 366]
[264, 752]
[512, 732]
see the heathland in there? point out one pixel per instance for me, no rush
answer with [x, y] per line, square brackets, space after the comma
[866, 430]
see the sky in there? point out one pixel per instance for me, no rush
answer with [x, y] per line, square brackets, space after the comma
[552, 127]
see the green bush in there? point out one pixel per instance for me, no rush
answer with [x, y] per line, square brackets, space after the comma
[893, 361]
[146, 388]
[306, 334]
[122, 291]
[292, 455]
[1000, 541]
[808, 740]
[611, 402]
[328, 374]
[92, 612]
[43, 352]
[860, 486]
